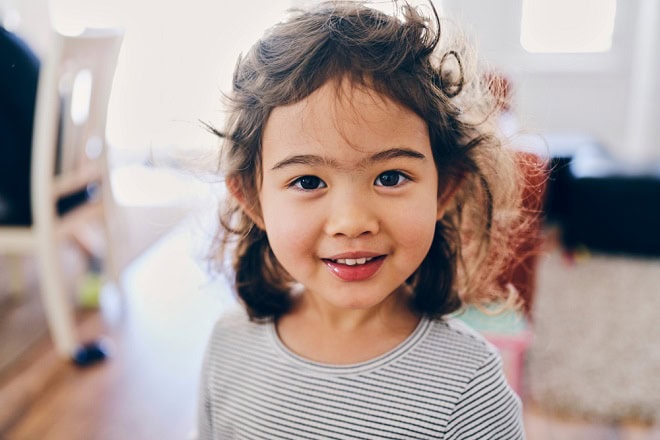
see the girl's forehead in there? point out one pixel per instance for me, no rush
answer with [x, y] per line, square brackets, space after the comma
[345, 99]
[342, 122]
[343, 109]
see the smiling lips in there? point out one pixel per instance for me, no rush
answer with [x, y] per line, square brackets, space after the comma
[354, 269]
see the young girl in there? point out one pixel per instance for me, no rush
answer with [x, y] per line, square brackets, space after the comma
[367, 192]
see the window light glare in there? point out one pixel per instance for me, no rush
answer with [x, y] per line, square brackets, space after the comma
[80, 96]
[567, 26]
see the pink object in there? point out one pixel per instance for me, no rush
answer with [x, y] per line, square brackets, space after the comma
[512, 349]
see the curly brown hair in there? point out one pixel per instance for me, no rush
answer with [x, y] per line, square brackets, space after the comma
[400, 56]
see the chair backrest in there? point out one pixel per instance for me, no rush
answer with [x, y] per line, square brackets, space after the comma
[69, 138]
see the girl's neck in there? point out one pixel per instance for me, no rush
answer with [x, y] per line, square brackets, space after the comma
[327, 335]
[388, 313]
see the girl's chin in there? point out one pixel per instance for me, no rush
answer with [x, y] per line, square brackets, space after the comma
[351, 301]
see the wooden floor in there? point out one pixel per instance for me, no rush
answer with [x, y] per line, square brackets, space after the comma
[157, 329]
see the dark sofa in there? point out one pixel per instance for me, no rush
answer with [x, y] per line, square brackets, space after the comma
[604, 204]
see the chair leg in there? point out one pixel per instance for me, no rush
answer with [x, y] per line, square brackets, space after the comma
[112, 228]
[57, 306]
[59, 309]
[112, 266]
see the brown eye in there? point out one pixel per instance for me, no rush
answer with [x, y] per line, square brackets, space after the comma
[390, 178]
[309, 183]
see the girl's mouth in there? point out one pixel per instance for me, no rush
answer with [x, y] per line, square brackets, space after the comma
[354, 269]
[352, 261]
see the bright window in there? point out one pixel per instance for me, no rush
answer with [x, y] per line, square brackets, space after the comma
[567, 26]
[176, 60]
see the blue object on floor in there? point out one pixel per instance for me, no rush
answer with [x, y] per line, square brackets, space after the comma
[492, 321]
[90, 353]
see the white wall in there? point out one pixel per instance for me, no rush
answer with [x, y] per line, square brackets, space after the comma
[588, 93]
[29, 19]
[176, 60]
[585, 93]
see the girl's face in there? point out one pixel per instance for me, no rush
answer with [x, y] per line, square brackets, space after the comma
[349, 194]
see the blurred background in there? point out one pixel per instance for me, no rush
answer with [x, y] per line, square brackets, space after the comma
[580, 83]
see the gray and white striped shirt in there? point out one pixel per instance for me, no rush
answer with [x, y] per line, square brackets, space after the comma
[443, 382]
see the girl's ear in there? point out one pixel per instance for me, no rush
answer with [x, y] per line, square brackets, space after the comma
[236, 189]
[447, 197]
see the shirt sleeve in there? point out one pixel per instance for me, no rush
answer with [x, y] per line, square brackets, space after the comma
[488, 408]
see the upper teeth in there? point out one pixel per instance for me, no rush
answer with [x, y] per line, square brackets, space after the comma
[353, 261]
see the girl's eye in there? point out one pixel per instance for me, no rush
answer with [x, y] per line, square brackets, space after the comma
[308, 183]
[390, 178]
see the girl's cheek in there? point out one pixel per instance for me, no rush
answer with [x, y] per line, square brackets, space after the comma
[289, 231]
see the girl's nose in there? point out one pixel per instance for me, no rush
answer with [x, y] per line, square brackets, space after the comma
[351, 215]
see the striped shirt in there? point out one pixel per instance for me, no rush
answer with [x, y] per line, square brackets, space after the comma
[443, 382]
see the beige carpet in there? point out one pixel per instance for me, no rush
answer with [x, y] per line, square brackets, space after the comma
[596, 351]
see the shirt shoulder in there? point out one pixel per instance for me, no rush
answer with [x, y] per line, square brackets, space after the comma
[453, 339]
[234, 328]
[470, 336]
[234, 318]
[487, 407]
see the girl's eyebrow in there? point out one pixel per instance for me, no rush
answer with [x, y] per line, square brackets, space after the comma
[381, 156]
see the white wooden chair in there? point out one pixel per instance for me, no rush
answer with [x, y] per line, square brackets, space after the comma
[72, 99]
